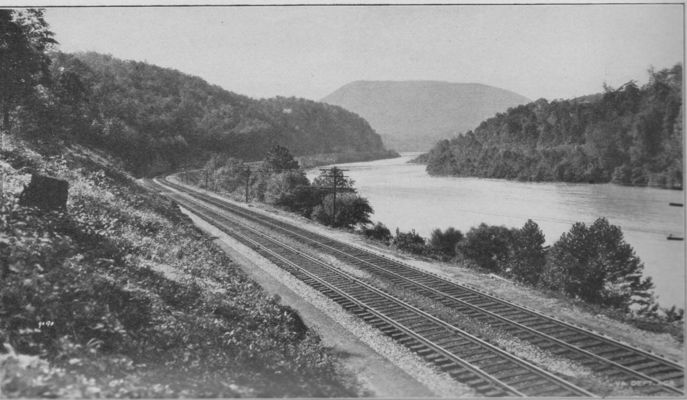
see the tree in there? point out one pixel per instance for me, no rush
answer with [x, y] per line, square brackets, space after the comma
[279, 159]
[596, 264]
[24, 41]
[529, 256]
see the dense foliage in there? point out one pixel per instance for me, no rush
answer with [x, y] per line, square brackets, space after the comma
[157, 118]
[120, 296]
[629, 135]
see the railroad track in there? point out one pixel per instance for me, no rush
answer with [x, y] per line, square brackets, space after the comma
[648, 373]
[485, 368]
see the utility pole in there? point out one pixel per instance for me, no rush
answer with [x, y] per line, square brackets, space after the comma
[246, 173]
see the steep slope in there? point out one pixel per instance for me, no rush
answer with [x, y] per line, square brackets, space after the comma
[412, 115]
[630, 136]
[157, 118]
[119, 295]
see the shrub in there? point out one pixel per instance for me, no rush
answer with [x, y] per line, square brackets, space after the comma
[351, 210]
[379, 232]
[411, 242]
[489, 246]
[445, 242]
[283, 188]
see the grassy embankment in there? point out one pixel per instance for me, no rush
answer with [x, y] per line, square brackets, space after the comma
[120, 296]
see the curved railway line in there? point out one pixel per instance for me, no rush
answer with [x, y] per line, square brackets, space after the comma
[485, 368]
[649, 373]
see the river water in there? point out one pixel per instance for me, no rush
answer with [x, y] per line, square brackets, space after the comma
[404, 196]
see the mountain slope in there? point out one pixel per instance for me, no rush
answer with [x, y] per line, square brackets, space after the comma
[157, 119]
[412, 115]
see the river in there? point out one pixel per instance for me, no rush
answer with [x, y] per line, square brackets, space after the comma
[404, 196]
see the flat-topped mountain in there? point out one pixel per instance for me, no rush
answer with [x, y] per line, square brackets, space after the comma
[413, 115]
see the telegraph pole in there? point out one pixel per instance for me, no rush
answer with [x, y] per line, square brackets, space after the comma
[246, 173]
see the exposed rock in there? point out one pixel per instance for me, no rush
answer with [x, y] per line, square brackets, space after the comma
[46, 193]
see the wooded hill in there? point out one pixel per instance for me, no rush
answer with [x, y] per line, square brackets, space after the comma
[413, 115]
[631, 135]
[156, 119]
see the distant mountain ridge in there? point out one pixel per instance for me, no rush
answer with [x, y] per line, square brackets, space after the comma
[413, 115]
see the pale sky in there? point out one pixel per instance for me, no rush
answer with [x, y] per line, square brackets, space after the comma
[557, 51]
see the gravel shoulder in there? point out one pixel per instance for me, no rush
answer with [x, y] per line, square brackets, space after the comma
[381, 367]
[662, 344]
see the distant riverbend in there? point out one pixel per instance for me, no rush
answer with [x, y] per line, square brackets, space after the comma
[404, 196]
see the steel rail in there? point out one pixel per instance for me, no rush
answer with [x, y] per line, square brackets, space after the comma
[214, 220]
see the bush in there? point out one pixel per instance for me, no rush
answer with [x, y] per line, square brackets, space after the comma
[488, 246]
[282, 188]
[445, 242]
[596, 264]
[379, 232]
[411, 242]
[351, 210]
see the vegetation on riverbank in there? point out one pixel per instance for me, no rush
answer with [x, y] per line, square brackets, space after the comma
[331, 198]
[591, 265]
[631, 136]
[120, 296]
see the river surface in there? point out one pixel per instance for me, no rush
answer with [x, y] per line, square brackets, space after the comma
[404, 196]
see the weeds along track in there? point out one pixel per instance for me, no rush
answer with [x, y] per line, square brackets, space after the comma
[485, 368]
[646, 372]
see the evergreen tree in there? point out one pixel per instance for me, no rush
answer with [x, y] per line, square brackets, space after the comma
[529, 257]
[597, 265]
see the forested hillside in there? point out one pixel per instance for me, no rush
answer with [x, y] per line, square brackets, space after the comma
[156, 119]
[631, 135]
[412, 115]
